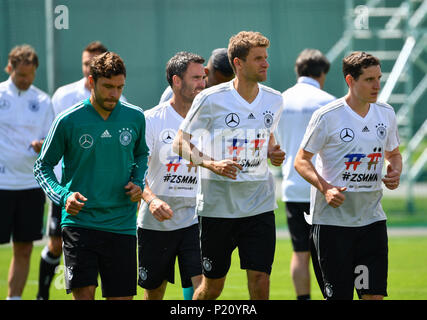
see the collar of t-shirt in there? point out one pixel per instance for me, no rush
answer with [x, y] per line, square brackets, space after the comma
[15, 89]
[308, 80]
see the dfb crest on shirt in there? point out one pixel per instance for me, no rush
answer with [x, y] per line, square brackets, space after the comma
[34, 106]
[381, 130]
[268, 118]
[125, 136]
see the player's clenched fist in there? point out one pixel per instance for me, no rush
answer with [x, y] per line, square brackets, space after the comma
[334, 196]
[75, 203]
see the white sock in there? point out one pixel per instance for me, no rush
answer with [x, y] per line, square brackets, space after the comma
[14, 298]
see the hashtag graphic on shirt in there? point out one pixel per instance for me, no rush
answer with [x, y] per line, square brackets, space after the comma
[167, 177]
[346, 176]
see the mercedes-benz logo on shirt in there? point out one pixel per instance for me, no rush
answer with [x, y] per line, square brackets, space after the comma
[232, 120]
[347, 135]
[86, 141]
[167, 136]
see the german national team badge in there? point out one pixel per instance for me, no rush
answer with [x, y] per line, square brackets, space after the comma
[34, 106]
[268, 119]
[125, 136]
[381, 130]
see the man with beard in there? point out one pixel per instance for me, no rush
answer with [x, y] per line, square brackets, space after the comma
[102, 142]
[167, 222]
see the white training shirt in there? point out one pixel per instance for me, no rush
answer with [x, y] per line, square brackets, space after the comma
[227, 126]
[166, 95]
[299, 103]
[171, 178]
[351, 154]
[25, 116]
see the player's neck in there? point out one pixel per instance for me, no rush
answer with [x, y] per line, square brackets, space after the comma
[102, 112]
[248, 90]
[358, 106]
[180, 105]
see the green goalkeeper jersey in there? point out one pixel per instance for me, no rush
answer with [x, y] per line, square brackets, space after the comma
[100, 157]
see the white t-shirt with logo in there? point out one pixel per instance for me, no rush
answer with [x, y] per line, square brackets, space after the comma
[299, 103]
[350, 152]
[226, 126]
[171, 178]
[25, 116]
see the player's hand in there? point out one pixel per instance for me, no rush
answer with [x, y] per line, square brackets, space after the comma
[334, 196]
[75, 202]
[226, 168]
[276, 155]
[160, 210]
[392, 178]
[37, 145]
[135, 192]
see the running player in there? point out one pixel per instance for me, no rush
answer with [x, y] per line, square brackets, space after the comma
[300, 101]
[25, 117]
[167, 222]
[63, 98]
[102, 142]
[235, 200]
[352, 137]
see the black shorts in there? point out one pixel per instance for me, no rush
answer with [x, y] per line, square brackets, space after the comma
[22, 215]
[299, 229]
[88, 253]
[157, 251]
[254, 236]
[54, 221]
[351, 258]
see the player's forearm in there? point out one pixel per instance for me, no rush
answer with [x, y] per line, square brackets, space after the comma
[306, 169]
[188, 151]
[46, 178]
[147, 194]
[139, 170]
[395, 160]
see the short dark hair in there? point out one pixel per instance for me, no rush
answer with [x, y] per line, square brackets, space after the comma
[24, 54]
[356, 61]
[106, 65]
[311, 63]
[178, 64]
[95, 47]
[220, 62]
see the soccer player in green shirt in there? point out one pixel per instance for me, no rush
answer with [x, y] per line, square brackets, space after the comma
[102, 141]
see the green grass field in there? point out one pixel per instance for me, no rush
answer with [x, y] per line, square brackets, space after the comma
[407, 277]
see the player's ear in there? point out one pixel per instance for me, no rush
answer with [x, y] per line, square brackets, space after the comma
[8, 68]
[349, 80]
[176, 80]
[91, 81]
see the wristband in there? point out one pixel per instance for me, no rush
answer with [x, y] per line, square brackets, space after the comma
[149, 202]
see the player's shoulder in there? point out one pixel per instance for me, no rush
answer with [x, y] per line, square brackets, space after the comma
[270, 90]
[39, 94]
[132, 109]
[330, 108]
[72, 113]
[216, 89]
[156, 111]
[66, 90]
[385, 106]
